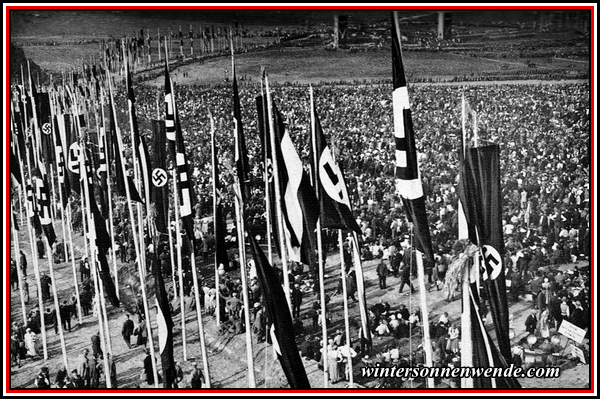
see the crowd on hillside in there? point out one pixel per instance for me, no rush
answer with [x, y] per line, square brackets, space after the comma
[543, 132]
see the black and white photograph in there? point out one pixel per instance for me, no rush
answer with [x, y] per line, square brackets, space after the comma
[287, 198]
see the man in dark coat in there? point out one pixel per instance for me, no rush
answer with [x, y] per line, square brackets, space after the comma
[197, 377]
[148, 368]
[96, 349]
[405, 279]
[296, 300]
[382, 272]
[580, 317]
[86, 301]
[23, 264]
[45, 283]
[554, 308]
[84, 268]
[65, 315]
[531, 322]
[127, 330]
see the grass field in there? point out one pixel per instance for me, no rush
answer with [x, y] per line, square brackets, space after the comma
[59, 40]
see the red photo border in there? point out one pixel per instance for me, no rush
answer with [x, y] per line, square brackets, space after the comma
[7, 389]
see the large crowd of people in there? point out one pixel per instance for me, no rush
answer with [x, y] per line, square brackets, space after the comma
[543, 131]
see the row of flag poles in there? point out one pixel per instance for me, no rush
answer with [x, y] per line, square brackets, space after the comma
[90, 166]
[144, 48]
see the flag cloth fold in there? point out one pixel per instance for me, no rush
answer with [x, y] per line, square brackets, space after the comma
[278, 312]
[241, 155]
[485, 352]
[334, 202]
[120, 179]
[218, 220]
[290, 171]
[61, 162]
[169, 112]
[184, 184]
[408, 178]
[42, 195]
[481, 198]
[265, 138]
[159, 194]
[97, 233]
[164, 320]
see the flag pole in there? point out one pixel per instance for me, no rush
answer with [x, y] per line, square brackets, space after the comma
[60, 197]
[243, 271]
[136, 244]
[180, 268]
[70, 232]
[466, 347]
[142, 264]
[18, 262]
[58, 320]
[424, 316]
[214, 195]
[284, 260]
[346, 314]
[106, 340]
[172, 252]
[36, 268]
[320, 244]
[266, 177]
[178, 239]
[108, 185]
[93, 255]
[199, 313]
[466, 357]
[15, 231]
[67, 232]
[241, 231]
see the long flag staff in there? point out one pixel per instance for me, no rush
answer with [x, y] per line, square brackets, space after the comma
[53, 108]
[68, 211]
[108, 185]
[56, 304]
[466, 347]
[15, 228]
[15, 233]
[178, 243]
[170, 103]
[73, 267]
[135, 242]
[266, 156]
[346, 314]
[93, 256]
[413, 186]
[136, 174]
[284, 260]
[34, 255]
[239, 210]
[172, 252]
[214, 195]
[267, 194]
[181, 161]
[320, 244]
[199, 312]
[67, 229]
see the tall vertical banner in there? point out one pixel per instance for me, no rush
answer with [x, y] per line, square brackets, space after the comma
[282, 328]
[263, 129]
[408, 177]
[483, 209]
[97, 233]
[290, 176]
[218, 220]
[159, 176]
